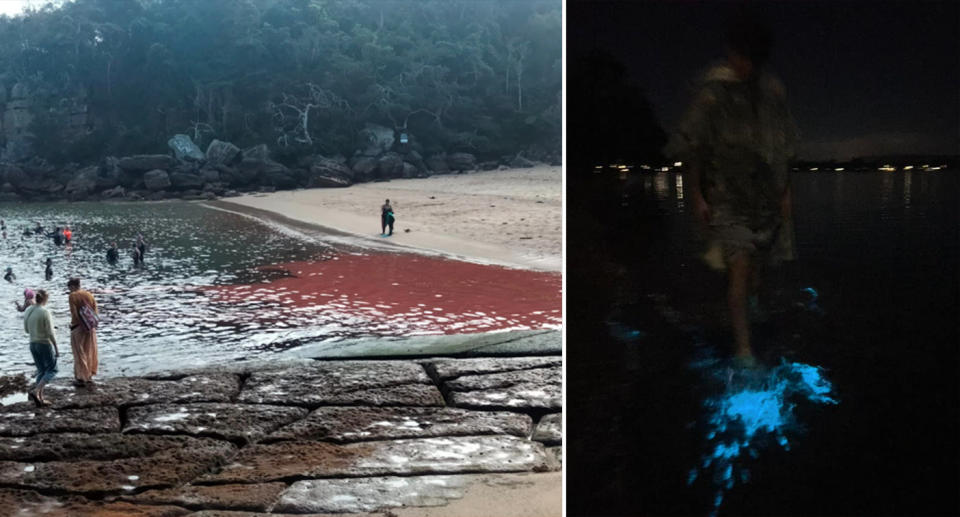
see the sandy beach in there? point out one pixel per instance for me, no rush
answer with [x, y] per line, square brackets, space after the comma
[511, 217]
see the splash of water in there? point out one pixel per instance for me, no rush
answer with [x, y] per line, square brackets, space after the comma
[755, 407]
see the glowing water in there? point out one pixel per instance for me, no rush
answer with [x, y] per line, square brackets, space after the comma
[754, 407]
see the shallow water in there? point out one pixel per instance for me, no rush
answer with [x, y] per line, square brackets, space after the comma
[219, 286]
[871, 303]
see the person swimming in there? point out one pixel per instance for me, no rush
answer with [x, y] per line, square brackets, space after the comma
[57, 236]
[29, 298]
[9, 276]
[49, 270]
[141, 245]
[38, 229]
[137, 255]
[113, 254]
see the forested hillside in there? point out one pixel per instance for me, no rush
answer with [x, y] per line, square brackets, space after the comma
[309, 78]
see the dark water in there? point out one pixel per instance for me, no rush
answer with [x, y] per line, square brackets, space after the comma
[880, 251]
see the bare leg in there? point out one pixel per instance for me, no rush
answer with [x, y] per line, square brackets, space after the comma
[739, 271]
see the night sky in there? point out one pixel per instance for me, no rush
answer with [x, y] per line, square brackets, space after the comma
[862, 78]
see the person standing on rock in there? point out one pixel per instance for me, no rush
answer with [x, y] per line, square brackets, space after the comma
[38, 323]
[384, 210]
[83, 333]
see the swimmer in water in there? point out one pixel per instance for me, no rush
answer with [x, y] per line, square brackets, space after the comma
[49, 270]
[29, 298]
[141, 245]
[10, 277]
[137, 255]
[38, 229]
[113, 254]
[57, 236]
[67, 235]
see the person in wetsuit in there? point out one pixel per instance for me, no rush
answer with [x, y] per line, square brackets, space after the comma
[113, 254]
[10, 277]
[49, 270]
[57, 236]
[38, 229]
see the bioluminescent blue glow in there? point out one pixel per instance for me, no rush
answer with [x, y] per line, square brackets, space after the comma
[754, 409]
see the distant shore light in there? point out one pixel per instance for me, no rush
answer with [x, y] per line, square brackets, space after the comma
[908, 167]
[678, 164]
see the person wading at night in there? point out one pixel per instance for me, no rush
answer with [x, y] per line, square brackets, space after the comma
[386, 218]
[83, 333]
[737, 139]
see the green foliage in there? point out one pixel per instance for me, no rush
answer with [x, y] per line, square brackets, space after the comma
[459, 75]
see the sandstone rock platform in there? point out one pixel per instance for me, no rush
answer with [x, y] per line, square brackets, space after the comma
[334, 435]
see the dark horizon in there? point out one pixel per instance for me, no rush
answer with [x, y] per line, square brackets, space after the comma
[863, 79]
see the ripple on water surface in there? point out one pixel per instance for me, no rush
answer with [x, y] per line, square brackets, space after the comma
[219, 286]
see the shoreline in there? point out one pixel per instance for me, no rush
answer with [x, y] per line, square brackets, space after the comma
[449, 215]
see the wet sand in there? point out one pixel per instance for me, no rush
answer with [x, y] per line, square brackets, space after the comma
[511, 217]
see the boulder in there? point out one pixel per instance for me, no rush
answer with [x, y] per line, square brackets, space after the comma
[7, 187]
[377, 139]
[210, 175]
[487, 166]
[279, 179]
[222, 153]
[410, 170]
[519, 162]
[184, 149]
[364, 168]
[438, 164]
[390, 166]
[416, 159]
[156, 179]
[462, 162]
[110, 174]
[159, 195]
[181, 181]
[83, 183]
[146, 162]
[115, 192]
[258, 152]
[40, 187]
[327, 173]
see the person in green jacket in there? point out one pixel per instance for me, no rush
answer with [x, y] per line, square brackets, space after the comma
[43, 345]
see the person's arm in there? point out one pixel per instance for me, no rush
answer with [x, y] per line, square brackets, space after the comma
[93, 301]
[701, 209]
[74, 317]
[48, 329]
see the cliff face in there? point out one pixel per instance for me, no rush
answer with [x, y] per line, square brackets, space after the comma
[19, 108]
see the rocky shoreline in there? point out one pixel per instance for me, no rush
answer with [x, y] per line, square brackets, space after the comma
[224, 170]
[319, 435]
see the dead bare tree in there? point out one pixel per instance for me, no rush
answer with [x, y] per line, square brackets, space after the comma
[315, 98]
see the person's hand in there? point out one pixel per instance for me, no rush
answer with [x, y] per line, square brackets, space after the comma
[56, 353]
[701, 210]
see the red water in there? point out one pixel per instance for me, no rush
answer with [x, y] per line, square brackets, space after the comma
[397, 294]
